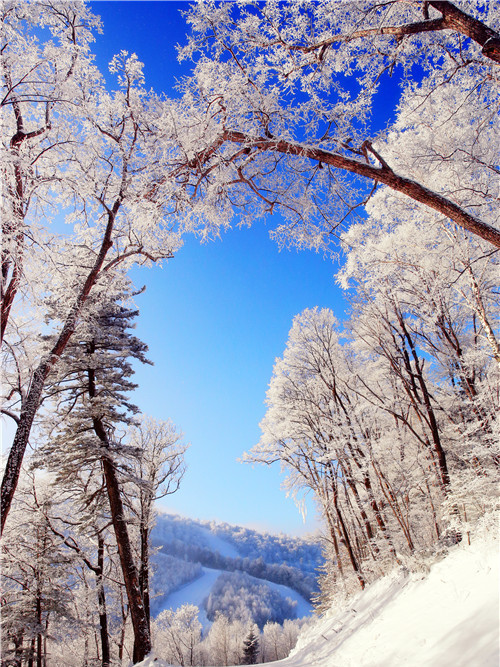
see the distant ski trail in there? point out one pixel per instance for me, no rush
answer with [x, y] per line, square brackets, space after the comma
[195, 593]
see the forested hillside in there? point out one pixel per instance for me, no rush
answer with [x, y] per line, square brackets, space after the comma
[238, 585]
[444, 613]
[280, 559]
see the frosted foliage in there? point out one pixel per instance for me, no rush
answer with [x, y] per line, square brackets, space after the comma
[101, 159]
[35, 570]
[284, 100]
[177, 635]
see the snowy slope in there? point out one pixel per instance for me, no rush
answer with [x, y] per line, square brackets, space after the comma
[189, 548]
[446, 618]
[216, 543]
[193, 593]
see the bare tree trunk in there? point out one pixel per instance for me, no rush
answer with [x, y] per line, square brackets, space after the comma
[121, 642]
[101, 598]
[346, 541]
[142, 639]
[455, 19]
[144, 569]
[31, 658]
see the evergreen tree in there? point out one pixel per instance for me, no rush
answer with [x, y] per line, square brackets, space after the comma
[250, 648]
[92, 384]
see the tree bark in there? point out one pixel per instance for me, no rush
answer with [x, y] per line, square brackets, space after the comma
[452, 18]
[346, 541]
[455, 19]
[101, 599]
[144, 569]
[142, 637]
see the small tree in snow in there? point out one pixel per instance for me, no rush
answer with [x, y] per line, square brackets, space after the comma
[251, 647]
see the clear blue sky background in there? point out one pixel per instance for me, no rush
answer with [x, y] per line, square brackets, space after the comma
[215, 318]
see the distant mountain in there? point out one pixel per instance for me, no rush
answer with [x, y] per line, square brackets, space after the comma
[245, 574]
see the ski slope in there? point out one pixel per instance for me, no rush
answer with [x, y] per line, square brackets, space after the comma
[218, 544]
[193, 593]
[303, 607]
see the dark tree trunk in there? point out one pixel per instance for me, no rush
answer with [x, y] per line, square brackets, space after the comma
[455, 19]
[101, 598]
[144, 570]
[31, 658]
[142, 639]
[124, 614]
[346, 541]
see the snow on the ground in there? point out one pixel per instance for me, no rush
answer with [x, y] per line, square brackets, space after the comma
[193, 593]
[446, 618]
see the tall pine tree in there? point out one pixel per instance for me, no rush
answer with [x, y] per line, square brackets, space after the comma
[92, 387]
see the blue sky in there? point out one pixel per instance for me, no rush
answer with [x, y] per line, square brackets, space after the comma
[215, 318]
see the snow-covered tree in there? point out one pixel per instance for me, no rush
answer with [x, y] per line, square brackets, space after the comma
[35, 576]
[42, 83]
[91, 389]
[104, 170]
[224, 643]
[156, 472]
[315, 426]
[177, 635]
[285, 99]
[439, 293]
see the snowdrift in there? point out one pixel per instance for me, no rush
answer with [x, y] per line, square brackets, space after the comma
[446, 617]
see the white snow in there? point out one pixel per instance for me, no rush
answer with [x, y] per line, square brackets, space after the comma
[448, 617]
[193, 593]
[303, 607]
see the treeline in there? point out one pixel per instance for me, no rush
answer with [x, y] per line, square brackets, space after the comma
[302, 553]
[179, 639]
[302, 583]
